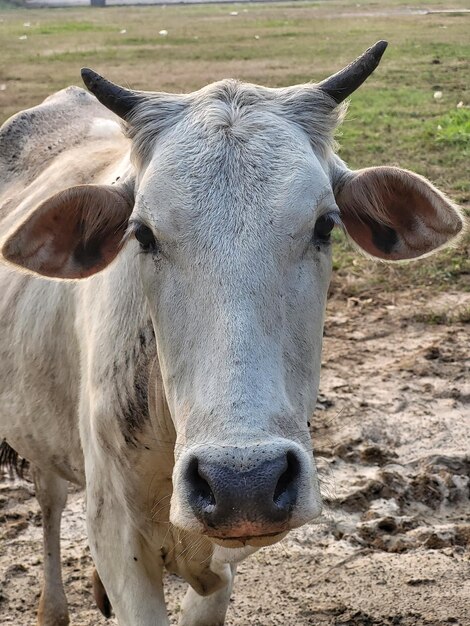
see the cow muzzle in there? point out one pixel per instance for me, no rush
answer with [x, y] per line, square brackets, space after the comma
[247, 495]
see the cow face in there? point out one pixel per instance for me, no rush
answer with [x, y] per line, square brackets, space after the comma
[233, 215]
[237, 189]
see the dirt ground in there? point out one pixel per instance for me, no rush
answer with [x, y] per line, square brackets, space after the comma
[392, 435]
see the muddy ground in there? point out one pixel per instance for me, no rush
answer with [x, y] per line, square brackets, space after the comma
[392, 435]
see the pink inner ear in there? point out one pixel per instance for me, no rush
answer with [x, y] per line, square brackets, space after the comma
[73, 234]
[393, 214]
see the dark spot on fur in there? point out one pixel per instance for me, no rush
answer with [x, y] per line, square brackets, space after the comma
[135, 558]
[99, 507]
[134, 411]
[133, 402]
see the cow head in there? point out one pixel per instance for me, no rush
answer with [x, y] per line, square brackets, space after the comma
[237, 189]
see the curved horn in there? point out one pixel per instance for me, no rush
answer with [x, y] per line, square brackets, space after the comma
[343, 83]
[117, 99]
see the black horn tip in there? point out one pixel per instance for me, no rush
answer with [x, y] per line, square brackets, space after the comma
[346, 81]
[380, 46]
[378, 49]
[116, 98]
[88, 76]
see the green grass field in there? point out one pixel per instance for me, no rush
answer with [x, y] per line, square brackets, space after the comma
[394, 118]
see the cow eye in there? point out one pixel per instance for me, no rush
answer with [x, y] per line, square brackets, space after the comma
[323, 227]
[145, 237]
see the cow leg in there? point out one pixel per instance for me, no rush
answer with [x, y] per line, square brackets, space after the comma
[51, 492]
[210, 610]
[132, 581]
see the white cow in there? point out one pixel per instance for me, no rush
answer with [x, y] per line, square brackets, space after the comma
[162, 306]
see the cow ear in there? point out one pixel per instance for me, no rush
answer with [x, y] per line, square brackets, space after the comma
[73, 234]
[393, 214]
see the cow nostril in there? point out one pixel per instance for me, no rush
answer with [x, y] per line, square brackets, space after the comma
[200, 488]
[285, 491]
